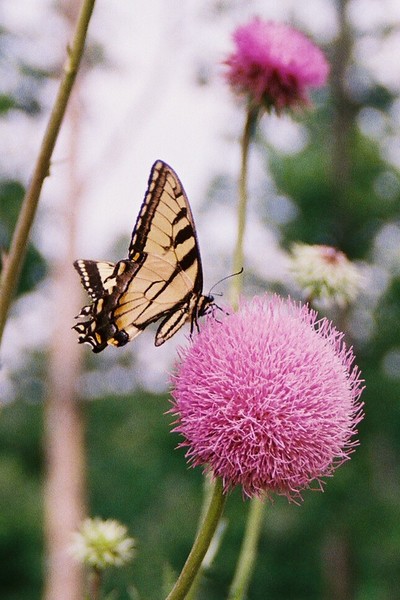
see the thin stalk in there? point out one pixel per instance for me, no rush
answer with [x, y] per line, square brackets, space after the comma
[237, 281]
[208, 488]
[95, 584]
[238, 256]
[248, 552]
[247, 557]
[13, 261]
[201, 544]
[214, 544]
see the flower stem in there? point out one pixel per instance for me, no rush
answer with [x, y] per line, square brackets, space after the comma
[237, 282]
[248, 551]
[201, 544]
[208, 488]
[95, 584]
[13, 261]
[247, 558]
[213, 548]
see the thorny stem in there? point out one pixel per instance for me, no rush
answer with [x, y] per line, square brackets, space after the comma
[13, 261]
[237, 281]
[201, 544]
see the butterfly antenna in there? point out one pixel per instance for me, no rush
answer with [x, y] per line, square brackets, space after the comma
[224, 279]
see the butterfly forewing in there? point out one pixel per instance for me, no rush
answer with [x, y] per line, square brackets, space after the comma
[165, 222]
[162, 278]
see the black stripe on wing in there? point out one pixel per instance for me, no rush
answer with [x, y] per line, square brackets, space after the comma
[164, 206]
[183, 235]
[93, 275]
[161, 280]
[155, 189]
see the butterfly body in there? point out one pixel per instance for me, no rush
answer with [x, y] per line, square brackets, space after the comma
[161, 279]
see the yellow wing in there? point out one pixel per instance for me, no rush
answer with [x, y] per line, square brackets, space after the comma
[162, 278]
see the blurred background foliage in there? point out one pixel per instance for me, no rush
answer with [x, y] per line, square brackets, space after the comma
[18, 94]
[34, 269]
[343, 544]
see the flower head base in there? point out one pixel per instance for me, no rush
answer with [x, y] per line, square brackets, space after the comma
[274, 65]
[325, 275]
[269, 398]
[101, 544]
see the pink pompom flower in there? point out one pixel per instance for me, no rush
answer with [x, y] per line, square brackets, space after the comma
[268, 399]
[274, 65]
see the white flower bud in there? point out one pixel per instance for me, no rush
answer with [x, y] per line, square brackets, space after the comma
[101, 544]
[325, 275]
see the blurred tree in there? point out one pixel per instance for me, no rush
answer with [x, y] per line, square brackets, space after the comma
[64, 435]
[65, 484]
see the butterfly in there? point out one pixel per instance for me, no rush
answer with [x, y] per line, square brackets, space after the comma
[162, 277]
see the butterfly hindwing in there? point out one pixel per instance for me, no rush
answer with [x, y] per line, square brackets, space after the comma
[105, 282]
[94, 275]
[161, 279]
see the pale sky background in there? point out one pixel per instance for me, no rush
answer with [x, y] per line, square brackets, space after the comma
[146, 105]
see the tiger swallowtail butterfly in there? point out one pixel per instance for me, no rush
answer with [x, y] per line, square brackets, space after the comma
[162, 277]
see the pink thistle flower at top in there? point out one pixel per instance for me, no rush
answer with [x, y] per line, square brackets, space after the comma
[268, 398]
[274, 65]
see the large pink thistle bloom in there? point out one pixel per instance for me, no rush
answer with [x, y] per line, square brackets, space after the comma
[268, 399]
[275, 65]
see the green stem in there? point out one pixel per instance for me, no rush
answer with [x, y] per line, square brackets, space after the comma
[237, 281]
[248, 552]
[13, 261]
[201, 544]
[247, 557]
[209, 486]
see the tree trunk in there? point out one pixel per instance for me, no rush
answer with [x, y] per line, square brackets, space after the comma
[64, 490]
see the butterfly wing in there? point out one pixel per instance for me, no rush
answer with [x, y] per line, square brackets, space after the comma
[165, 228]
[162, 279]
[95, 276]
[165, 225]
[155, 292]
[105, 282]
